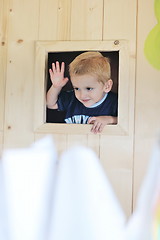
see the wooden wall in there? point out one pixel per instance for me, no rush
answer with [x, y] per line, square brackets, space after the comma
[22, 23]
[147, 100]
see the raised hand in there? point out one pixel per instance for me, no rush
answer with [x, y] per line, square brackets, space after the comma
[58, 81]
[57, 75]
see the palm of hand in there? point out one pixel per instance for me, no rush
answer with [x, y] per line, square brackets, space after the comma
[57, 75]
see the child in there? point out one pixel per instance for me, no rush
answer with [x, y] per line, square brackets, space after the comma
[91, 100]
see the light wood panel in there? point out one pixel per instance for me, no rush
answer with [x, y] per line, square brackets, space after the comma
[120, 19]
[84, 27]
[116, 153]
[93, 143]
[74, 140]
[55, 20]
[1, 144]
[86, 20]
[120, 22]
[23, 30]
[1, 66]
[3, 51]
[147, 122]
[59, 141]
[117, 160]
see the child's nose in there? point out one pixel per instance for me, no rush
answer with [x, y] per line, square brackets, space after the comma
[83, 95]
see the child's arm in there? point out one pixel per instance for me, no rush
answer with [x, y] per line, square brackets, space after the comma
[58, 81]
[100, 121]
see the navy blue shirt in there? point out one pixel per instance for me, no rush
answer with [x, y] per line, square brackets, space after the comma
[76, 112]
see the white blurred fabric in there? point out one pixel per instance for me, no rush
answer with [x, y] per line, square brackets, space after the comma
[3, 214]
[140, 224]
[70, 198]
[28, 180]
[85, 206]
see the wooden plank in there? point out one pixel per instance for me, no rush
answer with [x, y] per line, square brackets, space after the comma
[117, 152]
[3, 53]
[61, 128]
[3, 64]
[119, 19]
[55, 20]
[59, 141]
[120, 22]
[76, 140]
[86, 20]
[23, 30]
[1, 144]
[117, 160]
[94, 143]
[147, 97]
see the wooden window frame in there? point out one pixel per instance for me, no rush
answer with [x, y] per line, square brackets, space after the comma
[41, 68]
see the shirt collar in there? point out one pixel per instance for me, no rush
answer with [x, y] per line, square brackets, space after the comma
[98, 103]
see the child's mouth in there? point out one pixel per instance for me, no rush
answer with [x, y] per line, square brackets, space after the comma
[85, 100]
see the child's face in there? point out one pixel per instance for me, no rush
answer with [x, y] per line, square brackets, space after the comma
[88, 90]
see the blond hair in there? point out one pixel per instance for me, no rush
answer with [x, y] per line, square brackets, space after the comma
[91, 63]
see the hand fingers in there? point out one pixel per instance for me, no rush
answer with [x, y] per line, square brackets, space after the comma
[101, 128]
[56, 67]
[57, 76]
[51, 73]
[62, 67]
[97, 127]
[53, 67]
[91, 120]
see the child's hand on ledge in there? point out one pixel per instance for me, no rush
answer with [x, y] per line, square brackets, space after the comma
[100, 121]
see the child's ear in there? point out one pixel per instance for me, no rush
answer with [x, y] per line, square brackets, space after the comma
[108, 86]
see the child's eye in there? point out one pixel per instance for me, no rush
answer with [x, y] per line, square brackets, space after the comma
[89, 88]
[76, 89]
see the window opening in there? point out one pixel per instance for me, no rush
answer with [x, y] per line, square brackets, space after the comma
[55, 116]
